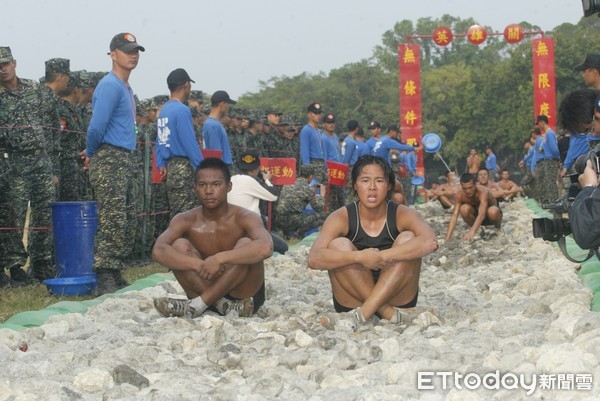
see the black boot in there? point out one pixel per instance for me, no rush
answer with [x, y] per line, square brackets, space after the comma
[109, 281]
[19, 276]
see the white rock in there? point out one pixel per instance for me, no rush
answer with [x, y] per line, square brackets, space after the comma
[93, 380]
[303, 339]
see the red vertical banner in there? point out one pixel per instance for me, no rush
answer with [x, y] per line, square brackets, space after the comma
[409, 73]
[544, 87]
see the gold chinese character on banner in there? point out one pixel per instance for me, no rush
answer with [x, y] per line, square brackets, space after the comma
[410, 117]
[543, 81]
[545, 109]
[409, 56]
[410, 88]
[542, 49]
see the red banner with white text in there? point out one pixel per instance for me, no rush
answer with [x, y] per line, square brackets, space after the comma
[544, 87]
[338, 173]
[409, 73]
[283, 169]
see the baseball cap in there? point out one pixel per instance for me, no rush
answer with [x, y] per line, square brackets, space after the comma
[221, 96]
[125, 42]
[352, 125]
[178, 77]
[249, 160]
[374, 124]
[591, 61]
[5, 54]
[315, 108]
[329, 118]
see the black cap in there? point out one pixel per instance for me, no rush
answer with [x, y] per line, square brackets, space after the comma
[393, 128]
[541, 117]
[352, 125]
[249, 160]
[591, 61]
[178, 77]
[125, 42]
[374, 124]
[221, 96]
[315, 108]
[329, 118]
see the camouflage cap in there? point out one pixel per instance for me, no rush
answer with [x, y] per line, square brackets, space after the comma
[58, 66]
[96, 77]
[84, 77]
[74, 79]
[196, 95]
[205, 109]
[195, 112]
[306, 170]
[5, 54]
[159, 100]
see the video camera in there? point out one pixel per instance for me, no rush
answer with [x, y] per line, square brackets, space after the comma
[590, 7]
[558, 228]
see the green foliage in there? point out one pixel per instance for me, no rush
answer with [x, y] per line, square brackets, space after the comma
[473, 96]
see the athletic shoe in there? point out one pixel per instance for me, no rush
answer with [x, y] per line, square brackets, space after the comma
[345, 320]
[169, 307]
[407, 315]
[244, 307]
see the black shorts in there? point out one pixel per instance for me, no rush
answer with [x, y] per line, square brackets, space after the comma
[339, 308]
[486, 221]
[258, 298]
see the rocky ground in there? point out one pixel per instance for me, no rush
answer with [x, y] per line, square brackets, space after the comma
[512, 321]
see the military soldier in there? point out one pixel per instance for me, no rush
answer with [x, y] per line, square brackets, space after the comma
[23, 151]
[111, 140]
[293, 201]
[56, 81]
[72, 141]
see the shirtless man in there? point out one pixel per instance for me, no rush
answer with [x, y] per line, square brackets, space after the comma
[477, 206]
[483, 179]
[446, 192]
[216, 251]
[511, 189]
[372, 248]
[473, 162]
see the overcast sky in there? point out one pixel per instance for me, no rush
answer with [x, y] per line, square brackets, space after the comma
[233, 44]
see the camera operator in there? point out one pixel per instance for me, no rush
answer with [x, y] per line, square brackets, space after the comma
[584, 214]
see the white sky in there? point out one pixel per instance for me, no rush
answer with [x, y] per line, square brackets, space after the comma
[232, 44]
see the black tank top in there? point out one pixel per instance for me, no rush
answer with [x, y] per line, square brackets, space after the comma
[361, 239]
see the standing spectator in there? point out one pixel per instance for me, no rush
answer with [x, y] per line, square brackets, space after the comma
[490, 163]
[473, 162]
[23, 154]
[590, 69]
[545, 163]
[312, 145]
[213, 133]
[177, 152]
[334, 154]
[111, 142]
[383, 144]
[350, 146]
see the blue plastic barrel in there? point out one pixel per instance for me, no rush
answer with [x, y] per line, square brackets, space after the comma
[74, 227]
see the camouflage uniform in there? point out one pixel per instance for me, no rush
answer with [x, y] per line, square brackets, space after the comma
[23, 153]
[72, 142]
[546, 172]
[111, 176]
[291, 204]
[180, 189]
[237, 143]
[51, 121]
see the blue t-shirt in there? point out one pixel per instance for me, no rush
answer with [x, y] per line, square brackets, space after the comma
[349, 150]
[384, 144]
[312, 144]
[362, 148]
[546, 147]
[216, 138]
[578, 145]
[175, 135]
[490, 163]
[334, 152]
[113, 116]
